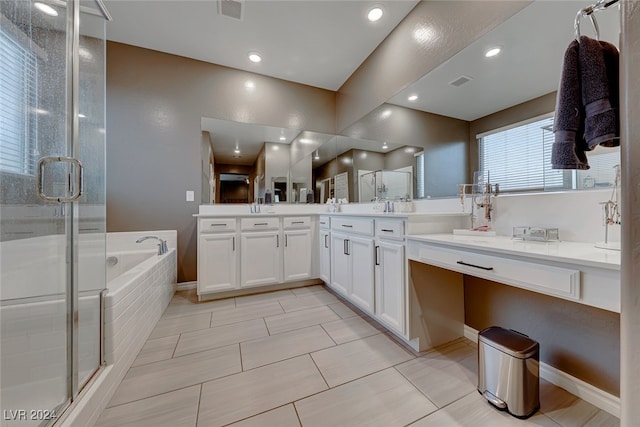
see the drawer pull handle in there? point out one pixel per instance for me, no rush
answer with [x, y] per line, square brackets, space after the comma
[387, 230]
[347, 225]
[475, 266]
[377, 255]
[217, 225]
[325, 241]
[260, 223]
[297, 222]
[277, 240]
[322, 222]
[234, 244]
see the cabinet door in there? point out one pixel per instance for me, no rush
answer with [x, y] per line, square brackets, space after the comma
[297, 255]
[361, 254]
[340, 264]
[260, 259]
[217, 263]
[390, 298]
[325, 256]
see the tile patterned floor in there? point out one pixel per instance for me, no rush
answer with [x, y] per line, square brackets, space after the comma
[304, 357]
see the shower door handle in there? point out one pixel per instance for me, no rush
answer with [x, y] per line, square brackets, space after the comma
[78, 181]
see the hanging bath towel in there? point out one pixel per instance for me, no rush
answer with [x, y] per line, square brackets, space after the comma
[598, 62]
[569, 146]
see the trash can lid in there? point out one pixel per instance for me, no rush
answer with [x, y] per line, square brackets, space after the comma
[509, 341]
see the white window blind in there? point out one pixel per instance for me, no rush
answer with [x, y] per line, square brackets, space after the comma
[420, 175]
[518, 159]
[18, 125]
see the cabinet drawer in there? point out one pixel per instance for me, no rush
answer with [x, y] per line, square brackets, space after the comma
[217, 225]
[324, 222]
[546, 279]
[387, 229]
[353, 225]
[296, 222]
[260, 223]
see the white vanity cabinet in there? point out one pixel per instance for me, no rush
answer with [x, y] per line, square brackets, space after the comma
[261, 251]
[390, 274]
[218, 255]
[352, 259]
[297, 248]
[324, 246]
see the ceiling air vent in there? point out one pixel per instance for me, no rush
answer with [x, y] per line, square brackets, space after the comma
[460, 81]
[231, 8]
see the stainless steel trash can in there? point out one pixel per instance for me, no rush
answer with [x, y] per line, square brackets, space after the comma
[509, 371]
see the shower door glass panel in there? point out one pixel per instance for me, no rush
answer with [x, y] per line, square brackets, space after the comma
[34, 247]
[91, 210]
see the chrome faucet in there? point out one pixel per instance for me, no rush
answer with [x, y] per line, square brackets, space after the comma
[162, 246]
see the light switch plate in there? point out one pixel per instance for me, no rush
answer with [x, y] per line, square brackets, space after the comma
[190, 196]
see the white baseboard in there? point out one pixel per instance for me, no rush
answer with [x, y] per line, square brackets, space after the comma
[184, 286]
[600, 398]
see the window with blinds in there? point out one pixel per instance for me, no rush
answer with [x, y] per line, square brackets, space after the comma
[518, 158]
[18, 124]
[420, 193]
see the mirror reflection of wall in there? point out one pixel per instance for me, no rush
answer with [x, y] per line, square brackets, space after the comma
[429, 129]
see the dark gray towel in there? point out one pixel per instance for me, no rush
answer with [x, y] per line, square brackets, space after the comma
[568, 150]
[598, 62]
[612, 61]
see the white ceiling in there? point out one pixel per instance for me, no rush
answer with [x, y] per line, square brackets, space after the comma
[314, 42]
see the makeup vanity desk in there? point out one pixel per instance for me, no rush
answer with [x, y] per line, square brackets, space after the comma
[573, 271]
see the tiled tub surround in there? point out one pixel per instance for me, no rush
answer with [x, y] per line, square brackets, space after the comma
[303, 356]
[135, 300]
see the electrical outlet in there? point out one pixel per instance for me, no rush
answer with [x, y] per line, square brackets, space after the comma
[190, 196]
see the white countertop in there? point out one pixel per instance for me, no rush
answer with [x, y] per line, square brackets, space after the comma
[580, 253]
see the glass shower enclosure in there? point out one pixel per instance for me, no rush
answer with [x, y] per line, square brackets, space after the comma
[385, 184]
[52, 204]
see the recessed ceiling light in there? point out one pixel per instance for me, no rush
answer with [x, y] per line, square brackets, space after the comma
[492, 52]
[385, 146]
[254, 57]
[82, 116]
[305, 141]
[45, 8]
[237, 151]
[282, 138]
[413, 97]
[374, 14]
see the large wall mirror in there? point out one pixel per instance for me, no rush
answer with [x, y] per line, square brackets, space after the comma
[422, 142]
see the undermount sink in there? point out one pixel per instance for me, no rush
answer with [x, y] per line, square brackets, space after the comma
[465, 232]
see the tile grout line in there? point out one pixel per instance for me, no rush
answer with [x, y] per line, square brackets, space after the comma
[320, 372]
[198, 409]
[295, 408]
[416, 387]
[240, 352]
[155, 395]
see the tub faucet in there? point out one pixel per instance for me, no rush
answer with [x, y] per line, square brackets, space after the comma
[162, 246]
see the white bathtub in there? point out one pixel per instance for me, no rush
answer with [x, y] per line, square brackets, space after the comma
[139, 287]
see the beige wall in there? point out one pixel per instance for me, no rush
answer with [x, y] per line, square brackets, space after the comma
[154, 141]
